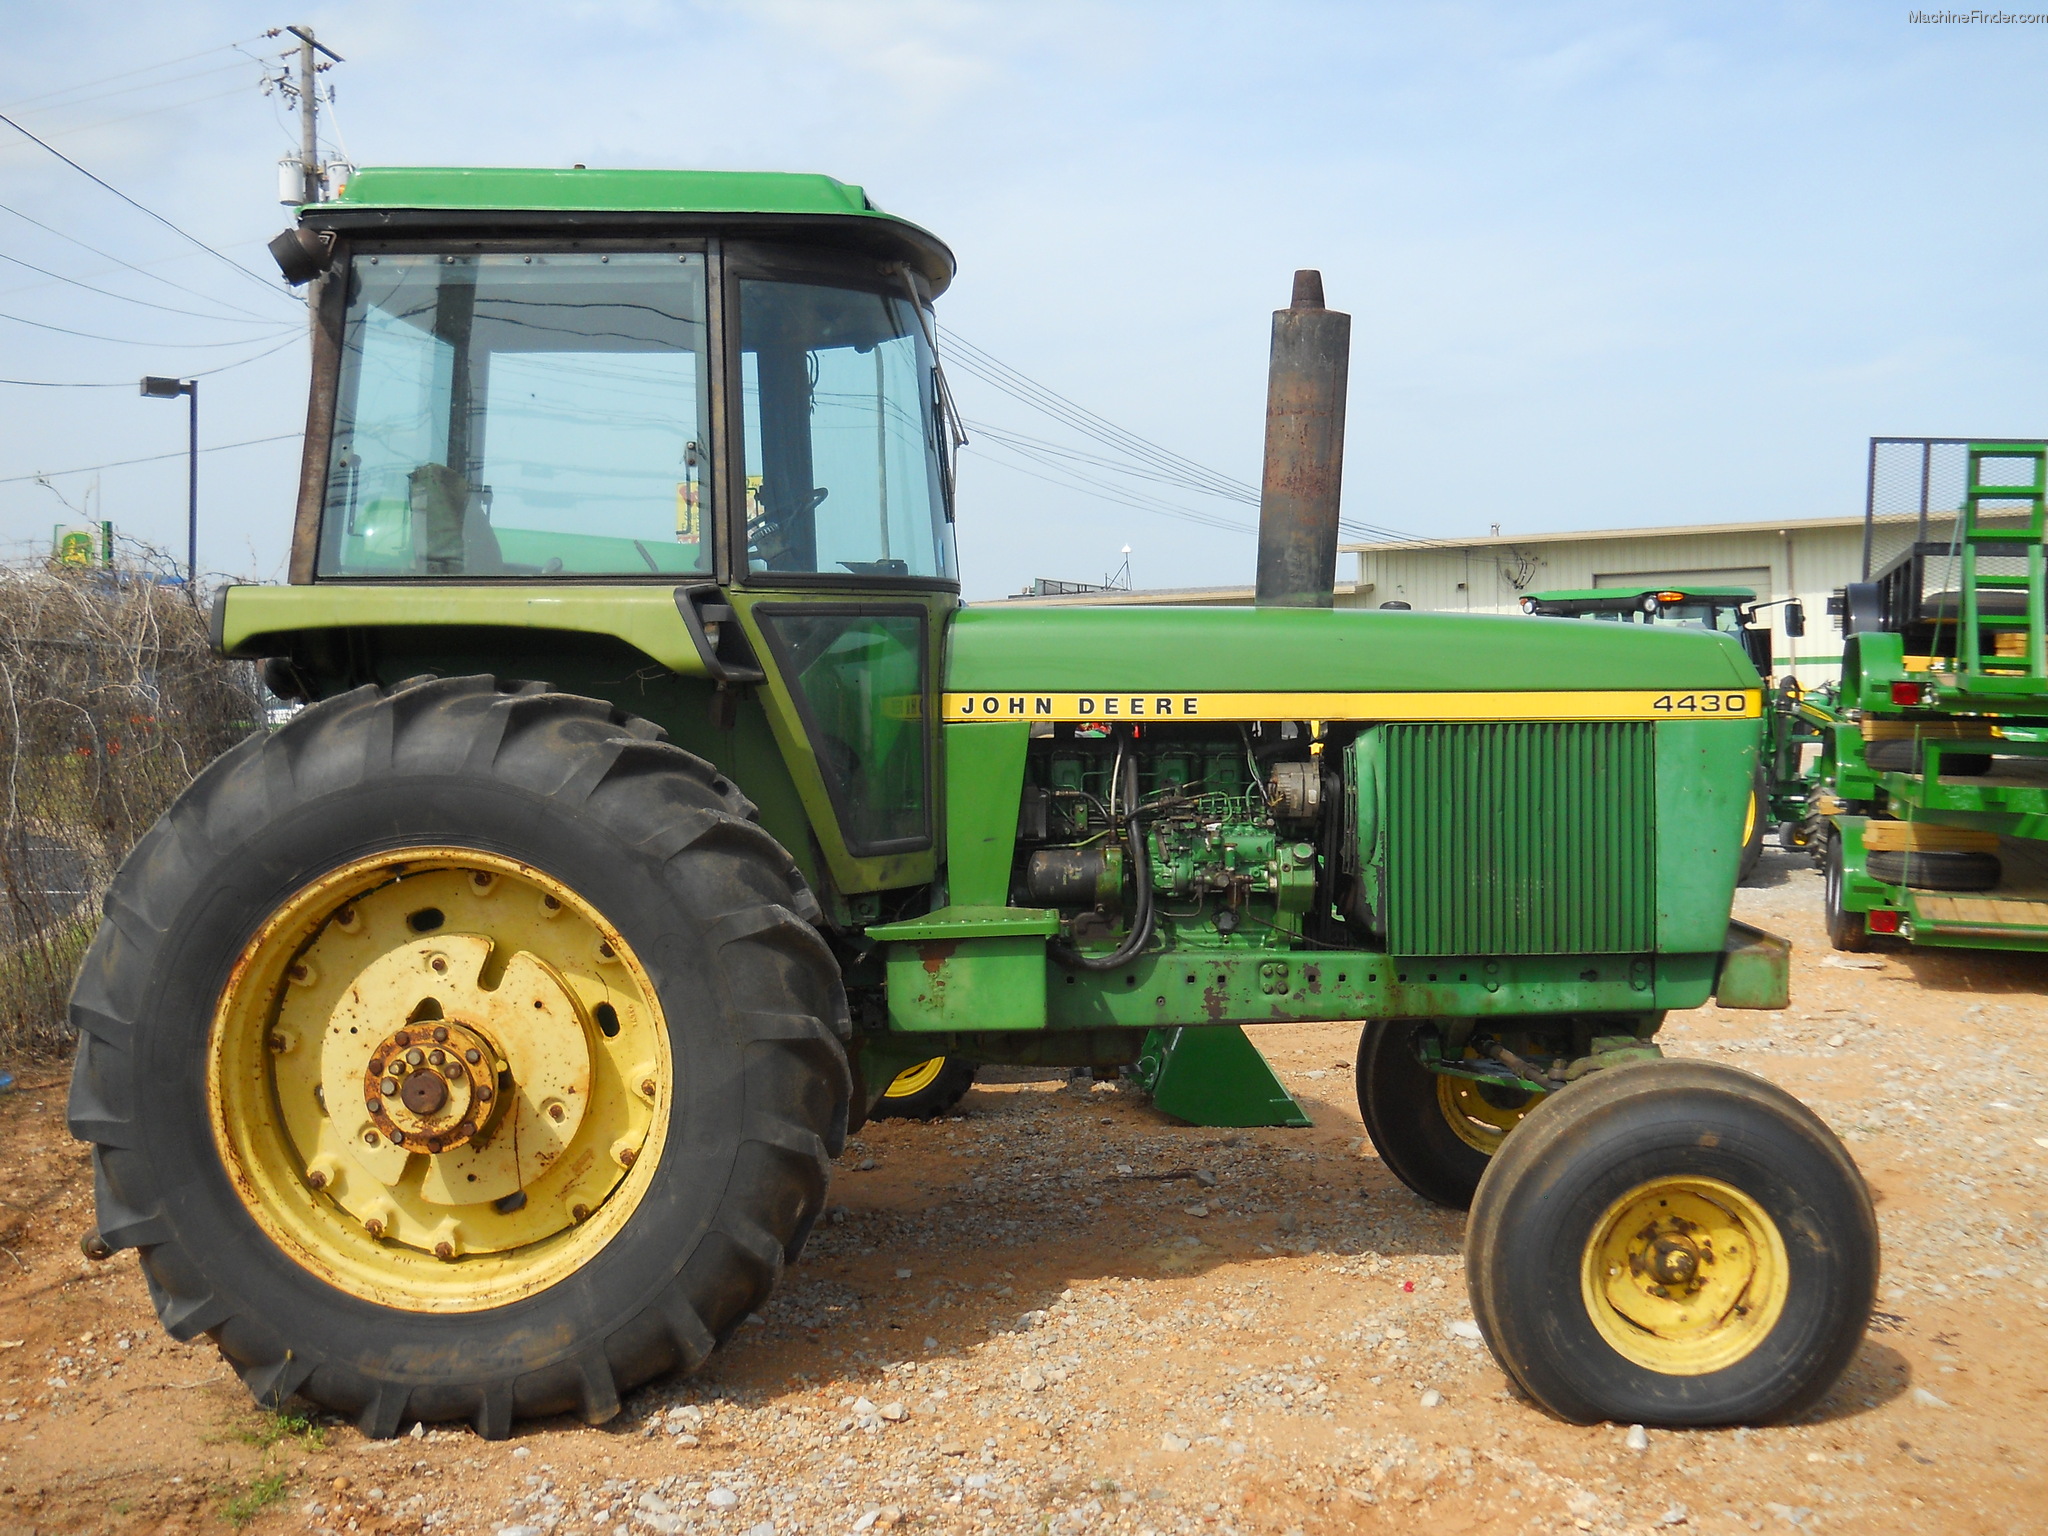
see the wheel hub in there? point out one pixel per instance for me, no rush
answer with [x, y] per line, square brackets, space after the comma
[434, 1087]
[1685, 1275]
[440, 1055]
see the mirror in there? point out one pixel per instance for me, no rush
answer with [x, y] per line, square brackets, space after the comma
[1795, 620]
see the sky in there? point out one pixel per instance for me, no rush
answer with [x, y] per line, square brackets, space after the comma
[1609, 265]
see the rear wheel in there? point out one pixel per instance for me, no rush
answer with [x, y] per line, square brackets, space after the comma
[1435, 1133]
[459, 1052]
[925, 1091]
[1847, 931]
[1755, 822]
[1673, 1242]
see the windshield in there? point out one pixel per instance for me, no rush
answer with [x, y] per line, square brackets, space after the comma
[520, 415]
[845, 471]
[1726, 619]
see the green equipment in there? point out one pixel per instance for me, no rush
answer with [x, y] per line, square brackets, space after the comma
[1784, 777]
[1935, 774]
[477, 1044]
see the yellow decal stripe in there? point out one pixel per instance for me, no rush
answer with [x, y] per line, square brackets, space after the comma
[1675, 704]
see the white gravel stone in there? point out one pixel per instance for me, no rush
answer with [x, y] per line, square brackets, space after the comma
[1638, 1438]
[722, 1498]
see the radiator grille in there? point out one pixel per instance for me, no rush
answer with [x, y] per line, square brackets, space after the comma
[1520, 838]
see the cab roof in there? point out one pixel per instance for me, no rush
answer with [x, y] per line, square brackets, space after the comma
[1636, 594]
[513, 198]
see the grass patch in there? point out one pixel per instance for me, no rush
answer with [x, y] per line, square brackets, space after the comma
[261, 1493]
[271, 1428]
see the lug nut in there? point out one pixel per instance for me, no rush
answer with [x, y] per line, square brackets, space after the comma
[433, 1143]
[482, 879]
[647, 1086]
[483, 1094]
[374, 1227]
[472, 1056]
[444, 1250]
[370, 1138]
[437, 1057]
[557, 1114]
[439, 963]
[415, 1056]
[579, 1213]
[279, 1044]
[605, 950]
[467, 1128]
[376, 1069]
[315, 1179]
[389, 1086]
[551, 904]
[441, 1035]
[628, 1156]
[401, 1038]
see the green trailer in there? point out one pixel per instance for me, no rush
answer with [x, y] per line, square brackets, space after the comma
[1791, 725]
[478, 1044]
[1934, 790]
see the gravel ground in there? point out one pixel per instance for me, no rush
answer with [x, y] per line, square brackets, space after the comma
[1063, 1312]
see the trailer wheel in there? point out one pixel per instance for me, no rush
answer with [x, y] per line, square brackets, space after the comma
[1847, 931]
[1931, 869]
[1434, 1132]
[925, 1091]
[459, 1051]
[1673, 1242]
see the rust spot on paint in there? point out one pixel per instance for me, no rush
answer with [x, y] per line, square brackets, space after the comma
[936, 954]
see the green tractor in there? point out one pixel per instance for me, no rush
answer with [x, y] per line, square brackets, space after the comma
[1935, 775]
[477, 1044]
[1784, 775]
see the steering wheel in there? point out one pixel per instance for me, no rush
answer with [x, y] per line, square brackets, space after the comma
[768, 538]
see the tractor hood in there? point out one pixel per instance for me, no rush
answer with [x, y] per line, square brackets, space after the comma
[1183, 651]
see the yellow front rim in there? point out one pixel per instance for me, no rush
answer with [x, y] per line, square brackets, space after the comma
[1683, 1276]
[1749, 819]
[912, 1080]
[1473, 1113]
[439, 1079]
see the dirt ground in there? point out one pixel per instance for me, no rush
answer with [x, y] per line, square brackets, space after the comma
[1063, 1312]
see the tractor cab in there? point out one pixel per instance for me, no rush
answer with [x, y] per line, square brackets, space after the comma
[1724, 610]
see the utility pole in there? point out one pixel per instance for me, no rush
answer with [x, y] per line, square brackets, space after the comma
[312, 175]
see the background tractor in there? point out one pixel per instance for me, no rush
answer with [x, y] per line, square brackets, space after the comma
[477, 1044]
[1784, 772]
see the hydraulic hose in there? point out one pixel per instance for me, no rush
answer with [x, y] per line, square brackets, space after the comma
[1142, 914]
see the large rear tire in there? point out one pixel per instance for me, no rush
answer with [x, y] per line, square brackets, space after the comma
[1676, 1243]
[1436, 1134]
[598, 1174]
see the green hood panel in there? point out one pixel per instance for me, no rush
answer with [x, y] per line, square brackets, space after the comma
[1309, 650]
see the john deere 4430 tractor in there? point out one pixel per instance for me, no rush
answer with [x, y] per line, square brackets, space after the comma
[477, 1044]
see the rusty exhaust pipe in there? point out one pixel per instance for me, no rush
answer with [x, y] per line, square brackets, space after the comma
[1304, 471]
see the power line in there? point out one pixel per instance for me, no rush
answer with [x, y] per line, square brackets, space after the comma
[140, 208]
[108, 293]
[128, 341]
[49, 103]
[87, 469]
[119, 261]
[204, 373]
[127, 74]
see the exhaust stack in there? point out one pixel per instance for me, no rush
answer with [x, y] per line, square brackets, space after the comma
[1304, 471]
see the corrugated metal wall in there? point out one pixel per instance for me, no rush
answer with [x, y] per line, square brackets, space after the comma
[1809, 563]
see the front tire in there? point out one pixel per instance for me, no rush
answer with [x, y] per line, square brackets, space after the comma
[655, 1078]
[925, 1091]
[1676, 1243]
[1435, 1133]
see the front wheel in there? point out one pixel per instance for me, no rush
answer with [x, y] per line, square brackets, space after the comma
[1435, 1133]
[1676, 1243]
[1847, 931]
[925, 1091]
[459, 1051]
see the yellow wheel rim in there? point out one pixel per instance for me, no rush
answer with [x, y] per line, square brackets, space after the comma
[912, 1080]
[1684, 1276]
[1749, 819]
[1478, 1121]
[439, 1080]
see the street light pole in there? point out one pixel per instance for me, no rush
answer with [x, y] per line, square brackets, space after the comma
[169, 389]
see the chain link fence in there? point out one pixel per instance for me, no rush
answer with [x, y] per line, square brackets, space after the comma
[111, 700]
